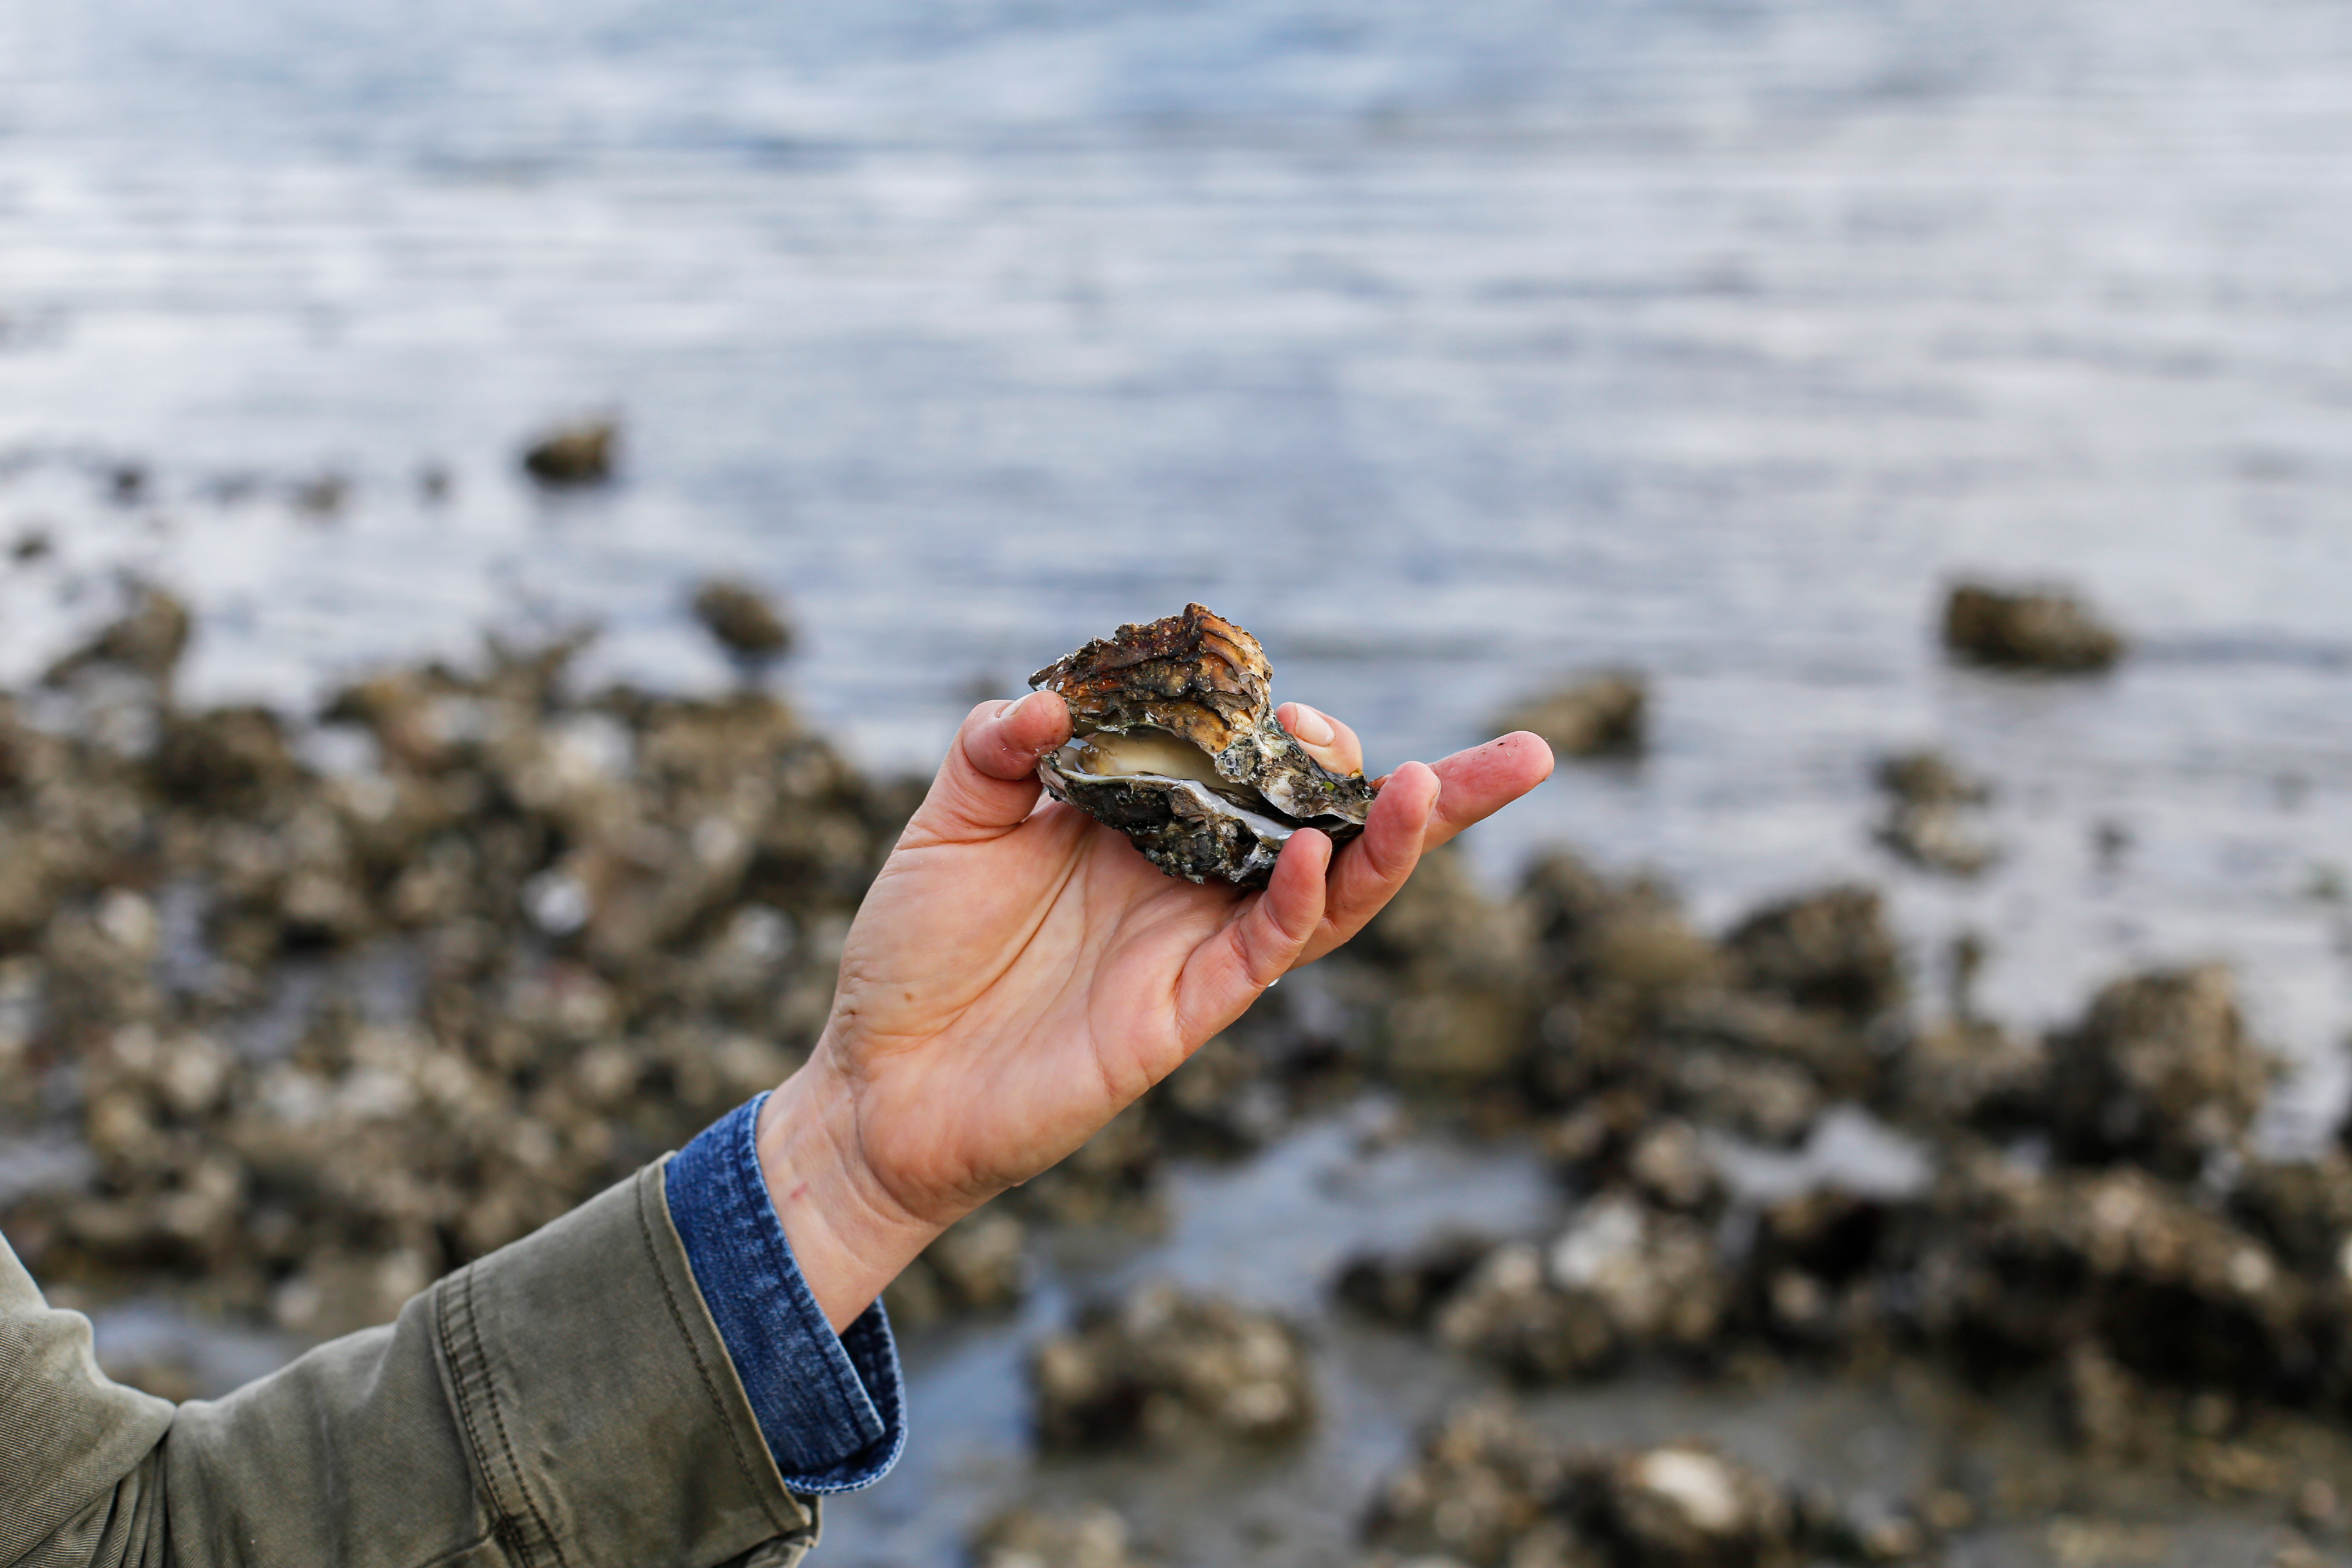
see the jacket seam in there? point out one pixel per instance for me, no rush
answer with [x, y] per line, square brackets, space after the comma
[702, 1370]
[497, 1417]
[506, 1527]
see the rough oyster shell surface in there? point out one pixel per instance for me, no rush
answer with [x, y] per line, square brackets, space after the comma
[1174, 743]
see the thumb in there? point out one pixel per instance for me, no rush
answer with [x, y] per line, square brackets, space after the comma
[988, 782]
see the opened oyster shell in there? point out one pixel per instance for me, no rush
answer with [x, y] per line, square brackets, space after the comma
[1174, 741]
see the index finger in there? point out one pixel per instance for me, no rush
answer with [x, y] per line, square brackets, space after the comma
[1473, 785]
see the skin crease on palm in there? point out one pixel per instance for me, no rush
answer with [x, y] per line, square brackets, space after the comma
[1018, 974]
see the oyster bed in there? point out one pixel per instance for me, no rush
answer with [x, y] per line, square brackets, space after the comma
[1525, 1232]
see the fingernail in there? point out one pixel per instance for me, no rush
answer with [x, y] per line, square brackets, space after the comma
[1312, 727]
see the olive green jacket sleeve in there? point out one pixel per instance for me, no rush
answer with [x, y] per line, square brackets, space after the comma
[563, 1402]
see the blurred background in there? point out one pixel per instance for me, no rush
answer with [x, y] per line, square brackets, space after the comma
[1461, 353]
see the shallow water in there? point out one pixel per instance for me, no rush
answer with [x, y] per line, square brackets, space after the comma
[1447, 348]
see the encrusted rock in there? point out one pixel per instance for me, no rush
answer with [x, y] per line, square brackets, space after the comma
[979, 1264]
[1621, 1277]
[2303, 1210]
[1599, 715]
[1161, 1364]
[1488, 1491]
[1460, 972]
[1970, 1073]
[1485, 1489]
[1685, 1506]
[2044, 630]
[1407, 1287]
[2160, 1069]
[2025, 1268]
[1508, 1311]
[147, 640]
[232, 758]
[1929, 813]
[1830, 950]
[1038, 1538]
[742, 620]
[1617, 957]
[573, 455]
[1814, 1269]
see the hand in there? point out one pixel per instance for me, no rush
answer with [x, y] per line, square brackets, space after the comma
[1018, 974]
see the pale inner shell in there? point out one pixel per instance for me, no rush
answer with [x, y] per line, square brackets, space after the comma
[1141, 752]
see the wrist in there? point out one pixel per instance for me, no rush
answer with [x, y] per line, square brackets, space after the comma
[848, 1234]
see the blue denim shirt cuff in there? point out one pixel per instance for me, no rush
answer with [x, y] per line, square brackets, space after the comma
[831, 1406]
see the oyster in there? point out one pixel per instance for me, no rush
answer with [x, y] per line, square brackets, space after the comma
[1174, 741]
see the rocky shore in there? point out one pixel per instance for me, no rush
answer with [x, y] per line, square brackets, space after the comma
[311, 1009]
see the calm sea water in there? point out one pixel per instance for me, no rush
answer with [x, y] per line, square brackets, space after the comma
[1449, 347]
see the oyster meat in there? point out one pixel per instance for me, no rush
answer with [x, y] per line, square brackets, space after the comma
[1174, 741]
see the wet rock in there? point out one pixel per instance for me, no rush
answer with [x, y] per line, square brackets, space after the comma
[1684, 1506]
[1406, 1289]
[2160, 1069]
[2019, 1268]
[1592, 1144]
[147, 640]
[1754, 1036]
[227, 759]
[1772, 1103]
[742, 620]
[1830, 950]
[979, 1264]
[1622, 1278]
[1110, 1177]
[2094, 1542]
[1930, 778]
[1831, 1055]
[321, 497]
[1485, 1489]
[1658, 1278]
[1668, 1166]
[1813, 1270]
[1929, 813]
[1223, 1101]
[1617, 958]
[1599, 715]
[2302, 1210]
[2042, 630]
[1456, 973]
[1621, 1139]
[1508, 1313]
[573, 455]
[2107, 1411]
[1161, 1365]
[1963, 1072]
[1032, 1538]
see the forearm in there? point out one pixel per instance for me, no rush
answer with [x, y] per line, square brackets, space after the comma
[849, 1234]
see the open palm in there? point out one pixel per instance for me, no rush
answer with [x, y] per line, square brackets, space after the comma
[1018, 973]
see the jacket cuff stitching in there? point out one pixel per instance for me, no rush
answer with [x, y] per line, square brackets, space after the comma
[472, 1376]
